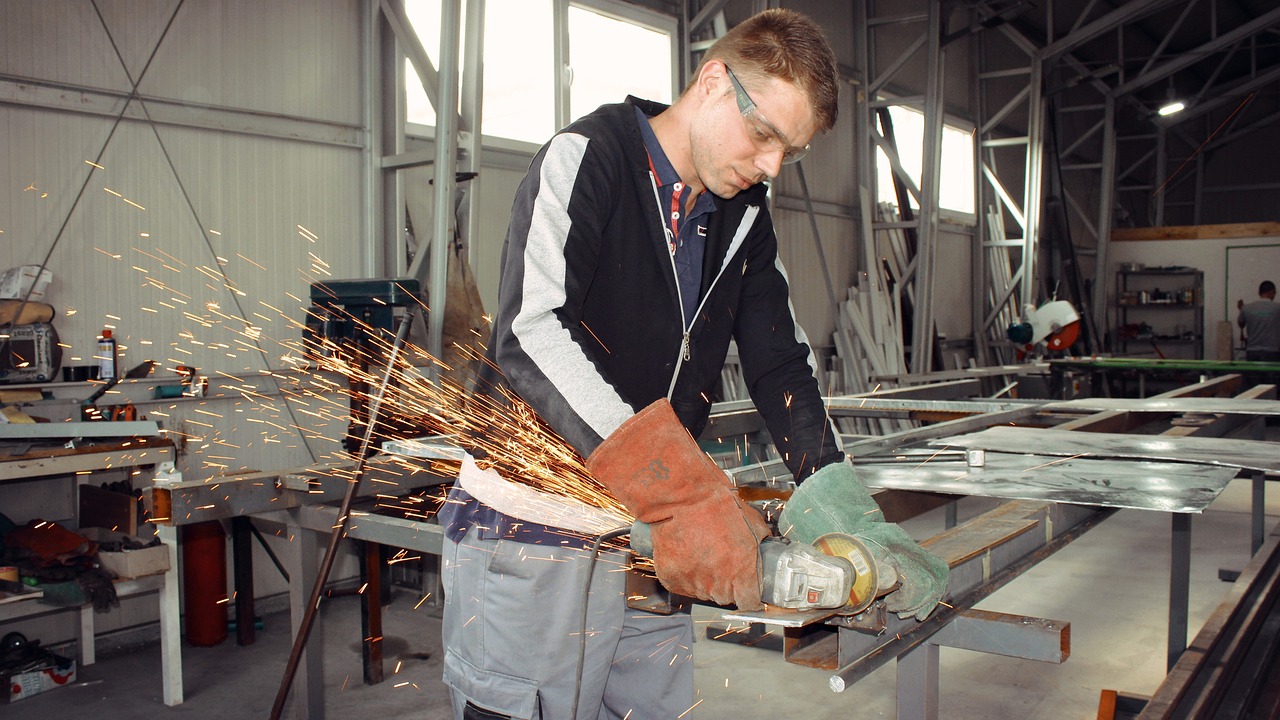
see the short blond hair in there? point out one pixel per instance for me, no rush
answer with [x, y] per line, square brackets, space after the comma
[787, 45]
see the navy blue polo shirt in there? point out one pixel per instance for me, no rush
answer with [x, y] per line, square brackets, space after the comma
[687, 238]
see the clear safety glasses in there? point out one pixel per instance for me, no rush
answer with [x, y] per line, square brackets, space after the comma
[763, 133]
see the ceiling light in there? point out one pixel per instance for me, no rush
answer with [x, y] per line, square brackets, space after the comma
[1170, 108]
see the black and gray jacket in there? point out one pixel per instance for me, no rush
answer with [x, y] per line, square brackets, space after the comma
[589, 326]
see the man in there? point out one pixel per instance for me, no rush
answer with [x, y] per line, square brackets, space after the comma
[1260, 322]
[640, 245]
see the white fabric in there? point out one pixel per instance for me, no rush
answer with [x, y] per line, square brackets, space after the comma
[525, 503]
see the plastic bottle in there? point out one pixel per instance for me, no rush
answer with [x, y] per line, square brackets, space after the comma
[106, 356]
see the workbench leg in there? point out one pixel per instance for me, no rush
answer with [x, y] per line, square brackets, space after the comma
[371, 612]
[1259, 511]
[171, 620]
[88, 644]
[242, 563]
[1179, 582]
[307, 691]
[918, 683]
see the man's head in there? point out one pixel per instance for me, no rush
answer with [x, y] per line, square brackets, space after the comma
[763, 91]
[1267, 290]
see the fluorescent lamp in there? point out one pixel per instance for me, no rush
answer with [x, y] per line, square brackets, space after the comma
[1175, 106]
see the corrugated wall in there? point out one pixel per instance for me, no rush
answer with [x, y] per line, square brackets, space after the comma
[251, 174]
[221, 188]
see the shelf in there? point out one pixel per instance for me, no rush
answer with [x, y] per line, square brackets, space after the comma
[1163, 306]
[1162, 271]
[1175, 320]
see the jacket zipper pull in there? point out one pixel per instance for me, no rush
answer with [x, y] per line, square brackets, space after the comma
[688, 352]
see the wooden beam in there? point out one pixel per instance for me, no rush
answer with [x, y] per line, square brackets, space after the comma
[1198, 232]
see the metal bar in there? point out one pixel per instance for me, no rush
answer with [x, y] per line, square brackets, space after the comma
[242, 567]
[1125, 13]
[159, 111]
[878, 83]
[1017, 636]
[917, 688]
[1179, 584]
[219, 498]
[980, 565]
[1192, 56]
[1196, 683]
[1106, 195]
[371, 575]
[1155, 54]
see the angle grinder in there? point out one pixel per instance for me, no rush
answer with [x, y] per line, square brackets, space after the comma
[837, 572]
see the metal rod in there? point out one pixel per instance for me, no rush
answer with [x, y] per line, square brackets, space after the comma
[344, 514]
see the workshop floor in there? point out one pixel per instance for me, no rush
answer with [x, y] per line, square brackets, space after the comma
[1111, 585]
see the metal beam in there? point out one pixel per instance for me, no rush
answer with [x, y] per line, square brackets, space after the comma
[1195, 55]
[1116, 18]
[82, 100]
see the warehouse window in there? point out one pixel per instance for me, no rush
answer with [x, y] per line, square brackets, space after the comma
[520, 82]
[599, 76]
[957, 187]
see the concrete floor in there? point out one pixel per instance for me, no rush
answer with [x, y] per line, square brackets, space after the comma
[1111, 585]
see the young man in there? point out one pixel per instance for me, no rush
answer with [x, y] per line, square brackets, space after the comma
[640, 244]
[1260, 321]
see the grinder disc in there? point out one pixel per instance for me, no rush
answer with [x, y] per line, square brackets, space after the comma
[865, 580]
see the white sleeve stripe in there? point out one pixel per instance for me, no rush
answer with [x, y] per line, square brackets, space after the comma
[802, 338]
[541, 336]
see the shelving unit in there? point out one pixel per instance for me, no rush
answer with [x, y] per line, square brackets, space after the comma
[1160, 313]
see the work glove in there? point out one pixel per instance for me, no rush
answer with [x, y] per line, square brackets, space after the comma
[833, 500]
[705, 539]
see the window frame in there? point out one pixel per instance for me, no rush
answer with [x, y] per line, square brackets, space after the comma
[949, 122]
[562, 64]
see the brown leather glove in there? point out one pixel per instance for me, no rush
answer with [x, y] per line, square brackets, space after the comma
[705, 539]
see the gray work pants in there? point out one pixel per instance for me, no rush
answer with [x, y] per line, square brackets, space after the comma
[512, 623]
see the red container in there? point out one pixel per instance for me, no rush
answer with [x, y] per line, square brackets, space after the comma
[204, 582]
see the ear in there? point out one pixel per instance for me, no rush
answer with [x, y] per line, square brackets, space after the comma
[712, 79]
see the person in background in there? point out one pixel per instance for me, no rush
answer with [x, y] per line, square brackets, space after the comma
[640, 245]
[1260, 323]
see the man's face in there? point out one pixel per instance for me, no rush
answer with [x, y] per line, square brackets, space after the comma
[732, 149]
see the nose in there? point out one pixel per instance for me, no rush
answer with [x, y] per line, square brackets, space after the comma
[769, 162]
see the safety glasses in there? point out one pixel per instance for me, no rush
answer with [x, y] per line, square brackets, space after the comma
[763, 133]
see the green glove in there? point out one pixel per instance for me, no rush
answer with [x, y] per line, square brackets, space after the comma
[833, 500]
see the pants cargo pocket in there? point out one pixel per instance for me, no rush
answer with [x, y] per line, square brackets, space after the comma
[496, 693]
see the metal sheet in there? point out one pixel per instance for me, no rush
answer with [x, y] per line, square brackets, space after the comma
[1166, 487]
[1229, 406]
[1253, 454]
[119, 428]
[432, 447]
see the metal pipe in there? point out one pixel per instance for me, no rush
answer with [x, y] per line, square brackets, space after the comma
[344, 516]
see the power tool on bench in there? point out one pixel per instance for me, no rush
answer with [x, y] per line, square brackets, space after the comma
[837, 572]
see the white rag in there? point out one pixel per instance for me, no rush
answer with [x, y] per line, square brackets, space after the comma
[525, 503]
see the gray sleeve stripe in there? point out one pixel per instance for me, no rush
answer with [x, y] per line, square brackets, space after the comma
[540, 334]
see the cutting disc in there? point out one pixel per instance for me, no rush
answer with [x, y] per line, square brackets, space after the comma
[1064, 338]
[865, 580]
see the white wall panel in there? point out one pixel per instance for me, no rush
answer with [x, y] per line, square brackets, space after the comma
[173, 208]
[799, 255]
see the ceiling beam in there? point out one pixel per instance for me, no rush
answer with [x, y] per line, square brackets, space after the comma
[1190, 57]
[1228, 95]
[1116, 18]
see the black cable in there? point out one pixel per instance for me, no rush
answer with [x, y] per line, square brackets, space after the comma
[586, 594]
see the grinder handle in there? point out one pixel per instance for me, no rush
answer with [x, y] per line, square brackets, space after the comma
[641, 539]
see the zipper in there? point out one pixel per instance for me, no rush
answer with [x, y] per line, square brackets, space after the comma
[685, 351]
[686, 345]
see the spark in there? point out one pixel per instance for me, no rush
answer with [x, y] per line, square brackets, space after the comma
[691, 707]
